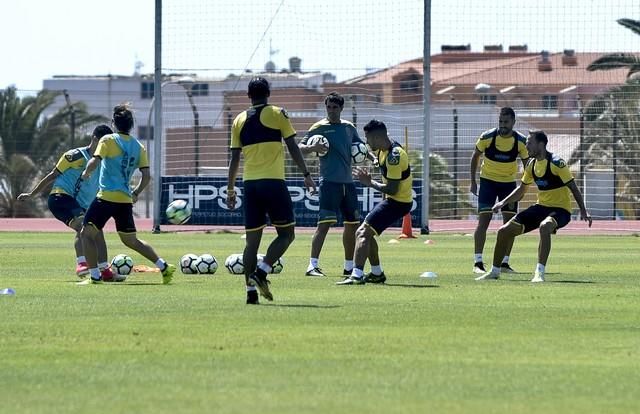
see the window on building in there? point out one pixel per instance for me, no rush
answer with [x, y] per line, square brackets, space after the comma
[411, 83]
[549, 102]
[146, 90]
[488, 99]
[200, 89]
[143, 132]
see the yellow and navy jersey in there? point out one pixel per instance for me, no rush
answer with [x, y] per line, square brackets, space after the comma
[394, 163]
[70, 166]
[500, 154]
[121, 155]
[551, 175]
[258, 132]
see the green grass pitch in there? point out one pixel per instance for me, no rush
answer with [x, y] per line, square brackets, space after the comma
[457, 346]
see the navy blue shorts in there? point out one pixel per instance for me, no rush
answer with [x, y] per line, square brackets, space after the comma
[534, 215]
[338, 197]
[100, 211]
[64, 207]
[386, 213]
[491, 191]
[264, 198]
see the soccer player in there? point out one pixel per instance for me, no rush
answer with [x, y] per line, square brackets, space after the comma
[552, 210]
[500, 148]
[118, 155]
[258, 133]
[70, 197]
[337, 190]
[397, 184]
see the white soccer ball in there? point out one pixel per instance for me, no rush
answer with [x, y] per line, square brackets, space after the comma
[235, 264]
[319, 139]
[188, 264]
[359, 152]
[206, 264]
[276, 267]
[178, 212]
[122, 265]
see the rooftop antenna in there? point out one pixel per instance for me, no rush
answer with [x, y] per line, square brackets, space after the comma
[272, 51]
[137, 66]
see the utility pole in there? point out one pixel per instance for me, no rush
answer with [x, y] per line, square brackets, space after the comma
[72, 114]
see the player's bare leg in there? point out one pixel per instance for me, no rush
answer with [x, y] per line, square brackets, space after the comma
[505, 237]
[249, 259]
[364, 235]
[317, 242]
[349, 245]
[506, 268]
[479, 239]
[547, 227]
[377, 274]
[132, 241]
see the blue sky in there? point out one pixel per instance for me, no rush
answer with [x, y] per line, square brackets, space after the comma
[91, 37]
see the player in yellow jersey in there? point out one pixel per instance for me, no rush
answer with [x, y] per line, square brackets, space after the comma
[397, 187]
[552, 211]
[70, 197]
[500, 148]
[118, 156]
[258, 133]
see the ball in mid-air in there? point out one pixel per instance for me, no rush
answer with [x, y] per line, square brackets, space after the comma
[178, 212]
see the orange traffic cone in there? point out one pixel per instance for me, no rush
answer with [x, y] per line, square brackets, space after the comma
[407, 231]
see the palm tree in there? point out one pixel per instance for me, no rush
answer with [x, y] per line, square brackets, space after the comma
[444, 197]
[612, 125]
[30, 144]
[619, 60]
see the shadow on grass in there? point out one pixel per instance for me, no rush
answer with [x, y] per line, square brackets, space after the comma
[569, 281]
[119, 283]
[410, 285]
[549, 281]
[301, 306]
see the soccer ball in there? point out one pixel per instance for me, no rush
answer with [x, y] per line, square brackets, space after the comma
[235, 264]
[122, 265]
[178, 212]
[276, 267]
[359, 152]
[315, 139]
[188, 264]
[206, 264]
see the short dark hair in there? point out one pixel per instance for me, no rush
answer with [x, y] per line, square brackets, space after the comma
[508, 111]
[123, 117]
[336, 98]
[375, 125]
[539, 136]
[259, 88]
[102, 130]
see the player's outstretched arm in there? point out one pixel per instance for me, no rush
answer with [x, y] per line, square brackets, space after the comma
[516, 195]
[297, 157]
[91, 167]
[46, 181]
[144, 182]
[234, 164]
[473, 167]
[390, 187]
[584, 214]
